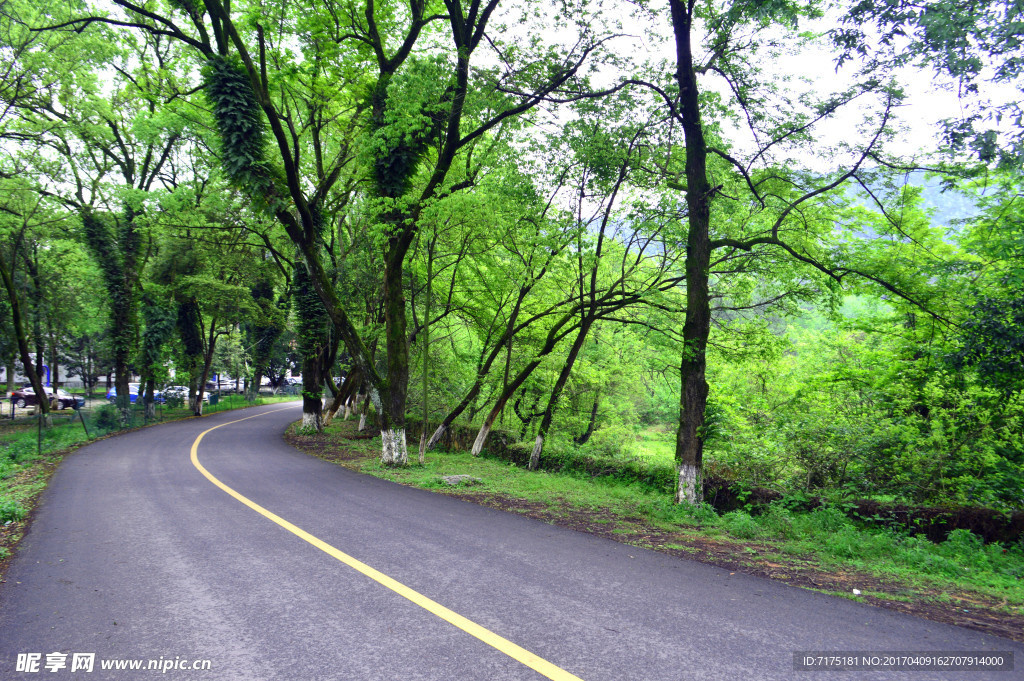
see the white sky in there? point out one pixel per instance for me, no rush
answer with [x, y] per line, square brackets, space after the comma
[927, 102]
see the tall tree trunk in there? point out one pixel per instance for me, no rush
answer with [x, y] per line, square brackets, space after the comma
[148, 398]
[312, 404]
[312, 393]
[208, 351]
[313, 331]
[394, 450]
[30, 255]
[252, 386]
[115, 247]
[585, 436]
[697, 326]
[556, 392]
[54, 362]
[22, 338]
[192, 344]
[426, 350]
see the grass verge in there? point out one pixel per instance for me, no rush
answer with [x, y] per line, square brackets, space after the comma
[960, 581]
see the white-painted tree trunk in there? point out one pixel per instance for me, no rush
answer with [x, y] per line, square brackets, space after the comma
[538, 445]
[362, 421]
[690, 489]
[312, 422]
[394, 451]
[481, 437]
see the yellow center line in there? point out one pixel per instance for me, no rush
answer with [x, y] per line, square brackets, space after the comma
[503, 645]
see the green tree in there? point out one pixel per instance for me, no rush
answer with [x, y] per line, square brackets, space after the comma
[973, 46]
[753, 206]
[17, 214]
[102, 146]
[407, 108]
[990, 338]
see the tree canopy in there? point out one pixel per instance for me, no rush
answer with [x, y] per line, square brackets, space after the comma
[582, 225]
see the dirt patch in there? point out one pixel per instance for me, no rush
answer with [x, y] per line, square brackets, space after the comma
[323, 448]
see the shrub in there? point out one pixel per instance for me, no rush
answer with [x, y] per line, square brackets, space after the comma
[106, 418]
[10, 510]
[612, 441]
[779, 522]
[741, 525]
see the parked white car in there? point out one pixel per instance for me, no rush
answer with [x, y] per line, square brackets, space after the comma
[182, 392]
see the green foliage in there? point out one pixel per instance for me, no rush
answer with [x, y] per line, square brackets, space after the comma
[739, 524]
[854, 408]
[160, 323]
[968, 43]
[991, 338]
[10, 510]
[242, 134]
[106, 418]
[612, 440]
[408, 110]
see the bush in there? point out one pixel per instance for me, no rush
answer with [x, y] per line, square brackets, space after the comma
[106, 418]
[822, 521]
[740, 525]
[612, 441]
[779, 521]
[10, 510]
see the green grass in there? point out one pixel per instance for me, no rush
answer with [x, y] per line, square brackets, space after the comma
[959, 562]
[656, 444]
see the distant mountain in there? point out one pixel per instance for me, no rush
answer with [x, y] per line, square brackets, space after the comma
[948, 206]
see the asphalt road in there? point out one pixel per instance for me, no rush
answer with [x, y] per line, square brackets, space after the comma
[135, 554]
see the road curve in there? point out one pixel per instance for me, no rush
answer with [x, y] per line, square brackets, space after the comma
[135, 555]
